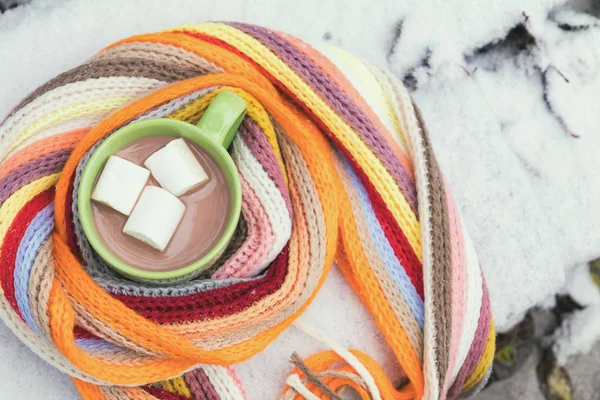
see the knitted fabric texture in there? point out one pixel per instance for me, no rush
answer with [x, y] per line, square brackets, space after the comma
[335, 164]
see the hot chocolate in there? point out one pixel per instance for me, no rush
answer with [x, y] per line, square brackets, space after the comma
[202, 225]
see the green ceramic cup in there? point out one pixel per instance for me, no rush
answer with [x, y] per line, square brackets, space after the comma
[214, 134]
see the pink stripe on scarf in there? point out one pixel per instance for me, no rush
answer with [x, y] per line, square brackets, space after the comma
[459, 293]
[248, 259]
[256, 141]
[478, 345]
[237, 381]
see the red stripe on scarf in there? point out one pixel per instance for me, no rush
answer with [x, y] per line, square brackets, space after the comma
[12, 240]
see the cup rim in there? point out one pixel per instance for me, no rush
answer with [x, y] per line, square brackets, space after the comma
[121, 138]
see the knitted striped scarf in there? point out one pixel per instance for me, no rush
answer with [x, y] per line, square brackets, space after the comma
[335, 164]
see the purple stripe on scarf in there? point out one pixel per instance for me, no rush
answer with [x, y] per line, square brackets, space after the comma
[257, 142]
[200, 386]
[477, 347]
[340, 102]
[32, 170]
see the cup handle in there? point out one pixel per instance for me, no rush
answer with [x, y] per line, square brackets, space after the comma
[223, 117]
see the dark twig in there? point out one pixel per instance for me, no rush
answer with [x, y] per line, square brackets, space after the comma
[548, 102]
[465, 69]
[560, 73]
[395, 39]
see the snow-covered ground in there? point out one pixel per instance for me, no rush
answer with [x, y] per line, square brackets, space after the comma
[514, 123]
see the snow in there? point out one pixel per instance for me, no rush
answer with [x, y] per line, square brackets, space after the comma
[580, 330]
[577, 334]
[581, 287]
[528, 121]
[513, 125]
[445, 31]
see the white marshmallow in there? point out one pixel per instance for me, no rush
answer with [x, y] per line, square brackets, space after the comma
[120, 184]
[176, 168]
[155, 217]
